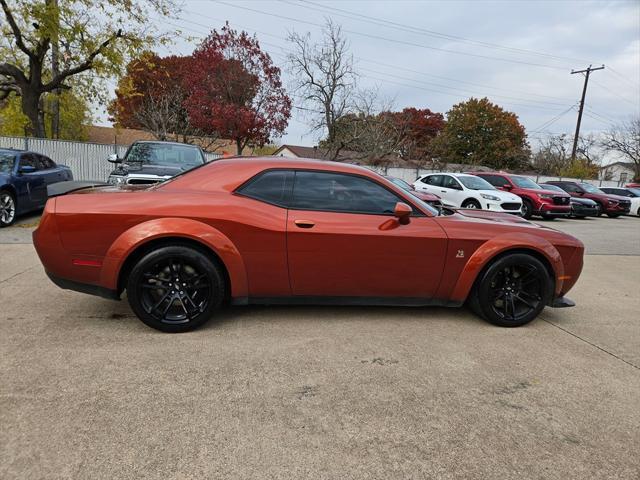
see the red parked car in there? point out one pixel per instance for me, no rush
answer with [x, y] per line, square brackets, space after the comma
[612, 205]
[274, 231]
[632, 185]
[547, 204]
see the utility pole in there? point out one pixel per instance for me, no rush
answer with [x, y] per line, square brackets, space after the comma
[55, 70]
[586, 71]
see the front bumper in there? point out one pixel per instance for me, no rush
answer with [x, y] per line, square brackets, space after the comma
[513, 208]
[578, 210]
[552, 210]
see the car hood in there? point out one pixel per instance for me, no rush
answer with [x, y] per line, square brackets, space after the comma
[503, 196]
[146, 169]
[496, 217]
[618, 198]
[555, 193]
[583, 201]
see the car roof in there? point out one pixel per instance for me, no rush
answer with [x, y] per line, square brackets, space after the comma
[454, 174]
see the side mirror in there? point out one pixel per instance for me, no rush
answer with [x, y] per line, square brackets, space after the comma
[579, 192]
[507, 187]
[113, 158]
[27, 169]
[402, 212]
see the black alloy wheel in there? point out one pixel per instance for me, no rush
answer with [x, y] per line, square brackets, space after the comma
[7, 209]
[512, 291]
[175, 289]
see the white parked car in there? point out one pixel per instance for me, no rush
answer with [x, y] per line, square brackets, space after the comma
[631, 193]
[468, 191]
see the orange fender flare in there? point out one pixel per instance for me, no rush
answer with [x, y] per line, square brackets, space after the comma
[497, 245]
[200, 232]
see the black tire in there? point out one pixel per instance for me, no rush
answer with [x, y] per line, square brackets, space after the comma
[512, 290]
[471, 203]
[600, 210]
[527, 209]
[175, 289]
[7, 208]
[613, 215]
[548, 217]
[638, 212]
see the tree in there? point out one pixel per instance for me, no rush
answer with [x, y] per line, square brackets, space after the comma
[554, 157]
[90, 41]
[235, 91]
[151, 96]
[624, 139]
[479, 132]
[74, 116]
[418, 128]
[324, 80]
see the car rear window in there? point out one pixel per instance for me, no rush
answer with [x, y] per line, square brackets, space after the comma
[273, 186]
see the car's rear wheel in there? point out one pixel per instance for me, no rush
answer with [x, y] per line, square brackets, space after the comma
[175, 288]
[527, 209]
[471, 204]
[7, 208]
[512, 291]
[613, 215]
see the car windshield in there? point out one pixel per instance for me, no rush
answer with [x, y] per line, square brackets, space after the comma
[555, 188]
[475, 183]
[524, 182]
[591, 189]
[185, 156]
[400, 183]
[6, 162]
[635, 191]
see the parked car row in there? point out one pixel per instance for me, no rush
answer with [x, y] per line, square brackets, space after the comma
[517, 194]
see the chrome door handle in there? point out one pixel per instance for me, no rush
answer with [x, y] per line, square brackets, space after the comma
[304, 223]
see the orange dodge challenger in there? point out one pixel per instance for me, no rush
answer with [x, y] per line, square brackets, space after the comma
[281, 231]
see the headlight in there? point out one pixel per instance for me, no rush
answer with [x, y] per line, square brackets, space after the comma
[544, 195]
[612, 202]
[490, 197]
[116, 180]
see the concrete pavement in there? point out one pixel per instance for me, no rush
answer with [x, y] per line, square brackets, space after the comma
[88, 391]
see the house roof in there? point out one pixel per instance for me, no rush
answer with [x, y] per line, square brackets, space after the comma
[629, 165]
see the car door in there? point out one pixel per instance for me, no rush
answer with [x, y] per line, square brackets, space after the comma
[34, 181]
[429, 184]
[343, 240]
[452, 191]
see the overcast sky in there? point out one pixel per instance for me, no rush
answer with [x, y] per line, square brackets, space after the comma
[518, 53]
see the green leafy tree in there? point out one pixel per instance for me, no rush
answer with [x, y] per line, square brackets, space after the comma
[45, 45]
[478, 132]
[74, 117]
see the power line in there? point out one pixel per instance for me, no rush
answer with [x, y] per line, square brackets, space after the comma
[548, 123]
[392, 40]
[521, 99]
[420, 30]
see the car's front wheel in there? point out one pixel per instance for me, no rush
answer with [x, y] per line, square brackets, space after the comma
[175, 288]
[512, 291]
[7, 208]
[471, 204]
[527, 209]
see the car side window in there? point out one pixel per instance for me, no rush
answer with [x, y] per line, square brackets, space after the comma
[569, 187]
[45, 163]
[449, 182]
[495, 180]
[337, 192]
[29, 160]
[435, 180]
[272, 186]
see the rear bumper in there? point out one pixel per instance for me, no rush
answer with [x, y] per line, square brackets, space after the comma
[83, 287]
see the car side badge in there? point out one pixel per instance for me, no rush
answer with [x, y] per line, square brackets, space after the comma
[460, 254]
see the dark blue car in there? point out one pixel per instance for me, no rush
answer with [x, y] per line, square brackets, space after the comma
[24, 177]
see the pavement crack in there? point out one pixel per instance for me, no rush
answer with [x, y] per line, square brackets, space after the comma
[592, 344]
[18, 274]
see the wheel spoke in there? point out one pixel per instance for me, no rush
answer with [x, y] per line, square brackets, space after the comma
[518, 297]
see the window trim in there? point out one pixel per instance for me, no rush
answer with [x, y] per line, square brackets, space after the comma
[416, 212]
[257, 176]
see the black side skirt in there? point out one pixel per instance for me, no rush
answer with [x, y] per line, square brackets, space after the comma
[84, 287]
[355, 301]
